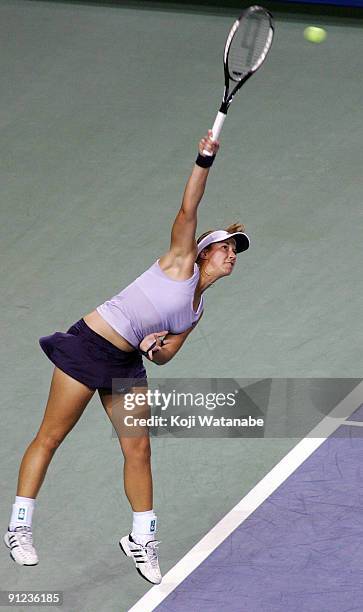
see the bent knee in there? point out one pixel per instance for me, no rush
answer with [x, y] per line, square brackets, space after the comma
[49, 442]
[136, 449]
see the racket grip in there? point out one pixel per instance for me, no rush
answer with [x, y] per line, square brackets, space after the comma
[216, 129]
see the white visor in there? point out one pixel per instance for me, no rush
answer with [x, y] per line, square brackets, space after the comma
[242, 240]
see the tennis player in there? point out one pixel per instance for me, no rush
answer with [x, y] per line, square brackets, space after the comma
[151, 317]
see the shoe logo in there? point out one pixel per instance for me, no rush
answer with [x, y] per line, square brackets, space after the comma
[21, 514]
[152, 525]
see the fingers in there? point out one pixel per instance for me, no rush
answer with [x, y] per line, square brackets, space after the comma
[207, 143]
[159, 337]
[152, 346]
[155, 349]
[157, 344]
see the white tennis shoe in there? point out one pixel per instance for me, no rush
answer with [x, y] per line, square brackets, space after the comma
[145, 557]
[21, 546]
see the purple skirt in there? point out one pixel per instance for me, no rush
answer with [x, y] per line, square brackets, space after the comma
[93, 360]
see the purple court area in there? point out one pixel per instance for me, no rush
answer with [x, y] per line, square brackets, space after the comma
[357, 415]
[300, 551]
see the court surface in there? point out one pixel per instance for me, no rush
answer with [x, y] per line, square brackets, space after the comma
[293, 543]
[100, 114]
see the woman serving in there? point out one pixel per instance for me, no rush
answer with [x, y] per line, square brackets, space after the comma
[152, 316]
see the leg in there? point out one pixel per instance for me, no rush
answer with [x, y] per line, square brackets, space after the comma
[140, 544]
[136, 450]
[66, 402]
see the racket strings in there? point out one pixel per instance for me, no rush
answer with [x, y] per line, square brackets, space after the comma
[249, 45]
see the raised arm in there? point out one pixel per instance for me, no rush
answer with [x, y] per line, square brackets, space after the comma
[183, 231]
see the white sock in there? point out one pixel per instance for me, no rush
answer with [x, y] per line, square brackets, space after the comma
[22, 513]
[144, 526]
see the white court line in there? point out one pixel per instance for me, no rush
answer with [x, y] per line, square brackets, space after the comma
[353, 423]
[251, 501]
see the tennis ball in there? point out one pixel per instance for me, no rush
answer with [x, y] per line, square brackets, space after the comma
[314, 34]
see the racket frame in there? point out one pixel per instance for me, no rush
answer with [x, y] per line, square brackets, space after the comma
[228, 96]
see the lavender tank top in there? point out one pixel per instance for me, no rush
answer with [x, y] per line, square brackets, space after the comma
[152, 302]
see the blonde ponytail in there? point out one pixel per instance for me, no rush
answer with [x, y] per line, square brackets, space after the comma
[235, 227]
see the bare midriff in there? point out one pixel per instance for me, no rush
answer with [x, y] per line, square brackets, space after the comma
[101, 327]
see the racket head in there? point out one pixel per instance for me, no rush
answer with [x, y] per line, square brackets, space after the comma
[247, 44]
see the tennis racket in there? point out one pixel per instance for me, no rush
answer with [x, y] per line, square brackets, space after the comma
[246, 48]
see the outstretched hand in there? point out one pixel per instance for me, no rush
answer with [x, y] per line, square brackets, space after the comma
[209, 144]
[152, 343]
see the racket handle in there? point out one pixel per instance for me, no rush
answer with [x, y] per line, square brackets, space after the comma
[216, 129]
